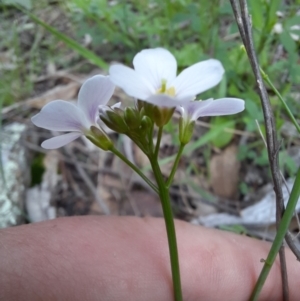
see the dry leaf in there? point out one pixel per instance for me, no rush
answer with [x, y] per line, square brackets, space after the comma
[224, 172]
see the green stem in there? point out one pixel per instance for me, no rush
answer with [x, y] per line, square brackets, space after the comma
[174, 168]
[170, 227]
[159, 135]
[135, 168]
[267, 79]
[283, 228]
[150, 137]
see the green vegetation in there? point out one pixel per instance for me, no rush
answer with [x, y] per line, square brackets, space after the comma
[192, 31]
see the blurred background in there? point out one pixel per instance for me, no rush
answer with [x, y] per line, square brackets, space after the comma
[47, 50]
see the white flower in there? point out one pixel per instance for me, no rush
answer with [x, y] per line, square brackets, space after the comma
[192, 110]
[154, 79]
[64, 116]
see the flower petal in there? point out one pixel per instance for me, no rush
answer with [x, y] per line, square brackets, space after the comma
[155, 65]
[219, 107]
[198, 78]
[94, 92]
[116, 105]
[60, 141]
[131, 82]
[60, 115]
[190, 110]
[163, 100]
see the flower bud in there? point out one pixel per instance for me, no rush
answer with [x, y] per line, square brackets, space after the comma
[185, 130]
[161, 115]
[146, 123]
[114, 120]
[99, 138]
[148, 109]
[132, 118]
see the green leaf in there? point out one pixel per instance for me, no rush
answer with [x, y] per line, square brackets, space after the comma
[288, 43]
[222, 139]
[187, 55]
[238, 229]
[263, 159]
[256, 13]
[222, 87]
[253, 109]
[274, 6]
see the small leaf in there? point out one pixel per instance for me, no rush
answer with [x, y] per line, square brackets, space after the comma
[223, 138]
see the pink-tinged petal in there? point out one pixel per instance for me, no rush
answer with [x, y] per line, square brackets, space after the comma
[163, 100]
[94, 92]
[155, 65]
[60, 115]
[60, 141]
[190, 110]
[131, 82]
[219, 107]
[198, 78]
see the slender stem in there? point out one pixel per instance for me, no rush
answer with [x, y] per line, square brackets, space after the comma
[170, 227]
[282, 229]
[243, 21]
[135, 168]
[174, 168]
[151, 137]
[293, 119]
[159, 135]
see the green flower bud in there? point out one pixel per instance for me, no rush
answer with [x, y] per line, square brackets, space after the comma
[148, 109]
[99, 138]
[114, 120]
[185, 130]
[161, 116]
[132, 118]
[146, 123]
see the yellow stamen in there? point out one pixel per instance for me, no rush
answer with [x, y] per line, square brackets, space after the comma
[163, 89]
[171, 91]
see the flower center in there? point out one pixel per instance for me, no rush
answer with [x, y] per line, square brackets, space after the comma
[163, 89]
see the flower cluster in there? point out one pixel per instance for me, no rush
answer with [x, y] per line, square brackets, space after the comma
[158, 91]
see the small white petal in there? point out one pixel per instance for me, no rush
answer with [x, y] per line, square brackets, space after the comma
[60, 115]
[189, 110]
[60, 141]
[116, 105]
[219, 107]
[181, 110]
[198, 78]
[155, 65]
[131, 82]
[94, 92]
[163, 100]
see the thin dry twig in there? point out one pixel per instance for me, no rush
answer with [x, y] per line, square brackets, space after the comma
[244, 25]
[283, 180]
[271, 135]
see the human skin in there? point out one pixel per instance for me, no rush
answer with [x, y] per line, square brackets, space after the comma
[126, 258]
